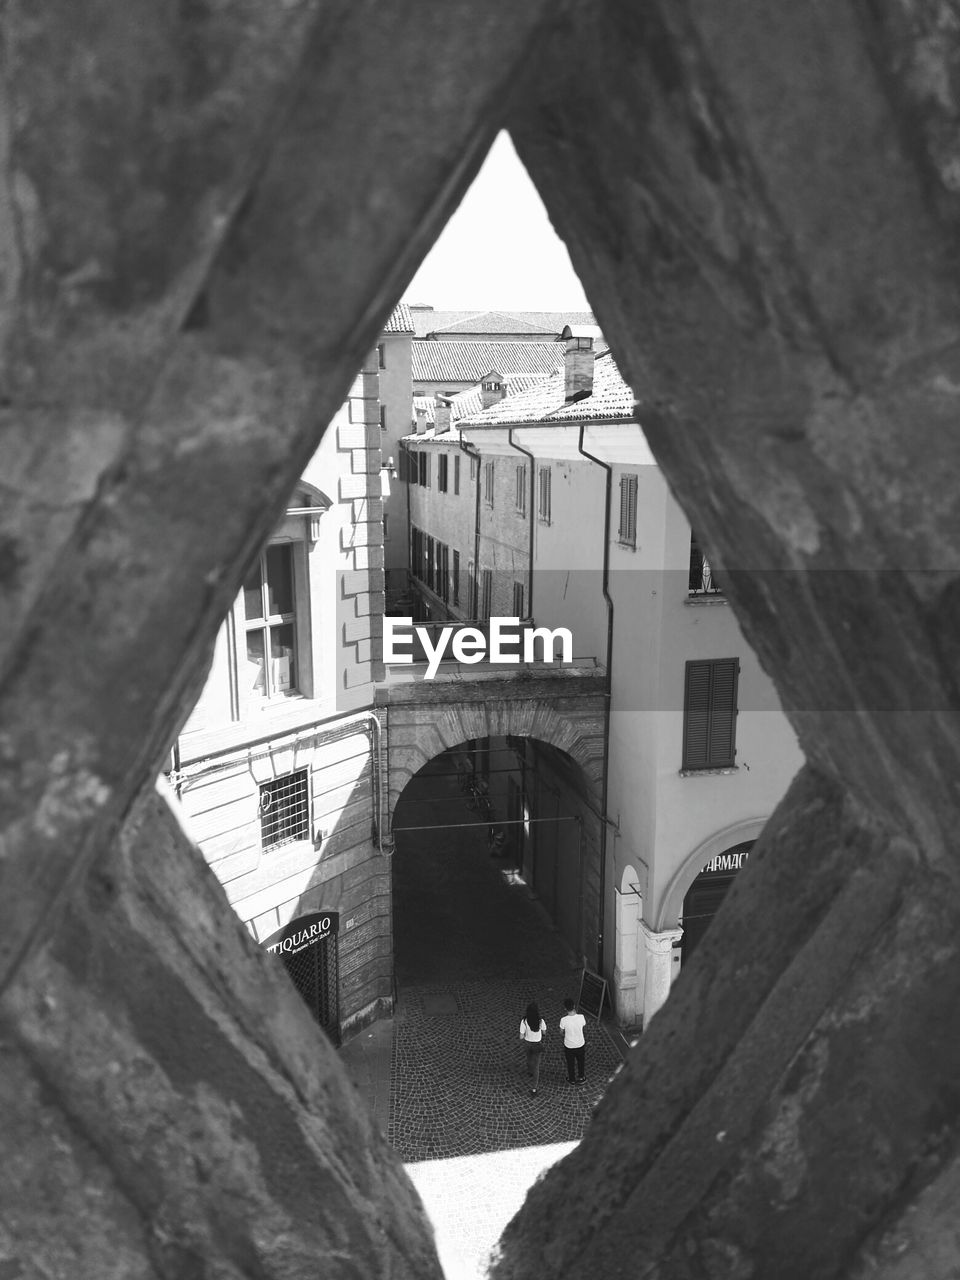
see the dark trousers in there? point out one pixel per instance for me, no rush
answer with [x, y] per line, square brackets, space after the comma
[574, 1057]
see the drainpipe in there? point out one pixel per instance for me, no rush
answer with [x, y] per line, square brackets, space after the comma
[527, 453]
[472, 451]
[606, 711]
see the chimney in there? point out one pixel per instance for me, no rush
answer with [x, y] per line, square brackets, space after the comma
[492, 390]
[421, 420]
[578, 359]
[442, 415]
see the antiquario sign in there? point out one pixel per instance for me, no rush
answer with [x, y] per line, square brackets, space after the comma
[305, 931]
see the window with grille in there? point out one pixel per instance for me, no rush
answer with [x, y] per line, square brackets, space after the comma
[702, 580]
[628, 511]
[517, 600]
[285, 810]
[544, 495]
[443, 464]
[456, 473]
[522, 488]
[270, 624]
[456, 577]
[486, 592]
[488, 484]
[710, 714]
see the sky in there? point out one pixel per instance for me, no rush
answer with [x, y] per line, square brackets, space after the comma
[499, 251]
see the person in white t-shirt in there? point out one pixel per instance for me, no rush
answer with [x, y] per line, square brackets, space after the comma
[574, 1043]
[532, 1030]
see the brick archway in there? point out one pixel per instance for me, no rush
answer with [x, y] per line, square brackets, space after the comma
[415, 733]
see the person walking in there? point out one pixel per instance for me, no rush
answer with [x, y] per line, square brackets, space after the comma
[532, 1030]
[574, 1042]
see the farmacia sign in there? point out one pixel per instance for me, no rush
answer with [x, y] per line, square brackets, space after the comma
[505, 643]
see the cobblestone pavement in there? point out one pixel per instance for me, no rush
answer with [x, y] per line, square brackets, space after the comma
[459, 1082]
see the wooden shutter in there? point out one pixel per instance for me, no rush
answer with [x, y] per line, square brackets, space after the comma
[628, 510]
[710, 714]
[723, 712]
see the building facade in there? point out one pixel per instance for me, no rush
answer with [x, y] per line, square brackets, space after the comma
[577, 528]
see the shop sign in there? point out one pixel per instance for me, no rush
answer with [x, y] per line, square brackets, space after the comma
[305, 931]
[730, 860]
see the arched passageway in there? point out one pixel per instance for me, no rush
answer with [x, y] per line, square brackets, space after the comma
[475, 942]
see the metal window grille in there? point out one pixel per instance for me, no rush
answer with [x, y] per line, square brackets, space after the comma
[285, 810]
[702, 580]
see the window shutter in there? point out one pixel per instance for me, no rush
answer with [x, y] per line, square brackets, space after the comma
[723, 711]
[696, 718]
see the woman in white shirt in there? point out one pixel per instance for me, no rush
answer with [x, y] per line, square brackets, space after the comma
[532, 1030]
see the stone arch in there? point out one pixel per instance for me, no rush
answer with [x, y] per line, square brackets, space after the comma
[499, 717]
[672, 902]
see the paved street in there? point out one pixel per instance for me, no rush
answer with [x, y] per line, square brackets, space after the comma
[446, 1077]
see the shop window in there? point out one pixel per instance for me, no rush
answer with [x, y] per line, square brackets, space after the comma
[710, 714]
[269, 607]
[285, 810]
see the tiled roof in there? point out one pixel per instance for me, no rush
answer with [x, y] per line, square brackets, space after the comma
[611, 398]
[470, 361]
[502, 322]
[400, 320]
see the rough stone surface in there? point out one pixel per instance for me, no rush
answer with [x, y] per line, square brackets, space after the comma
[206, 212]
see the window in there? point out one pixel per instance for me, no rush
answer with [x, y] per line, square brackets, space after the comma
[544, 495]
[456, 573]
[522, 488]
[456, 473]
[443, 467]
[428, 561]
[473, 468]
[471, 588]
[423, 467]
[285, 810]
[386, 529]
[383, 417]
[702, 580]
[518, 600]
[270, 624]
[382, 355]
[443, 572]
[488, 484]
[710, 714]
[486, 593]
[628, 511]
